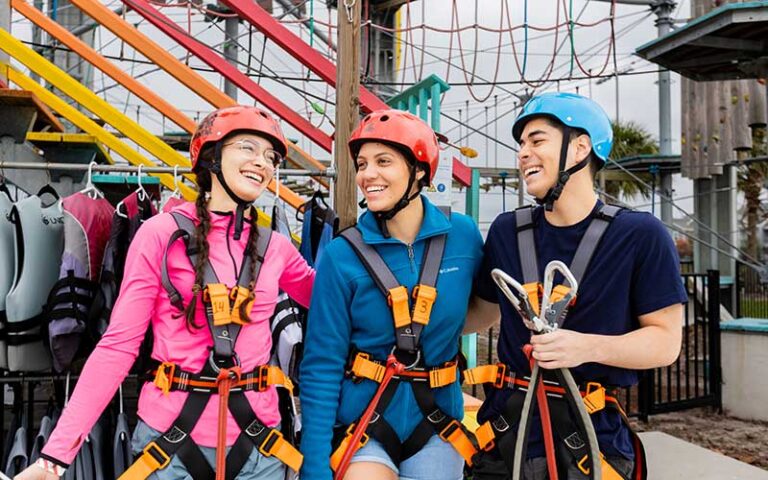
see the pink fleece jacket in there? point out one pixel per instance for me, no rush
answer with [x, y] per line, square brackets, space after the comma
[143, 300]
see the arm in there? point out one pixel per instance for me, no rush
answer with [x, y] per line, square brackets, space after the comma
[112, 358]
[655, 344]
[481, 315]
[326, 348]
[297, 277]
[656, 295]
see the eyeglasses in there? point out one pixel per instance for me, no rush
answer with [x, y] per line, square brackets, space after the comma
[252, 151]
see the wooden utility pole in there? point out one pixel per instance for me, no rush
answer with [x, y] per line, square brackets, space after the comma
[347, 109]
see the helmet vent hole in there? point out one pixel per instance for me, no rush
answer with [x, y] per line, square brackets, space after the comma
[384, 118]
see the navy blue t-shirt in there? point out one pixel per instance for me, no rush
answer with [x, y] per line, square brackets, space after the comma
[634, 271]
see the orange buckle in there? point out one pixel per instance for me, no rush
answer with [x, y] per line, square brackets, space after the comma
[594, 397]
[449, 430]
[398, 301]
[164, 376]
[501, 372]
[351, 430]
[534, 290]
[424, 298]
[263, 380]
[267, 447]
[159, 457]
[238, 295]
[581, 466]
[217, 295]
[442, 376]
[485, 437]
[558, 293]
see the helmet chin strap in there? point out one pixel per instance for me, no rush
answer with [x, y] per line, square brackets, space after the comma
[241, 203]
[382, 217]
[562, 175]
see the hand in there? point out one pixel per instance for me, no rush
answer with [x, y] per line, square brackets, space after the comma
[33, 472]
[562, 349]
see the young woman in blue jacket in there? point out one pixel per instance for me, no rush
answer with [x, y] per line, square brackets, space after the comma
[415, 430]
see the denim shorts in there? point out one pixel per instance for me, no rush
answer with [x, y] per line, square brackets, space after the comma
[437, 460]
[256, 467]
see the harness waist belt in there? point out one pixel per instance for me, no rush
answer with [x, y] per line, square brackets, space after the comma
[363, 367]
[170, 377]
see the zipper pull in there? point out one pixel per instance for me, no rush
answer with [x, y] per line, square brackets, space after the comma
[411, 256]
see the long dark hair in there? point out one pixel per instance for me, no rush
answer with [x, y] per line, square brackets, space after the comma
[203, 176]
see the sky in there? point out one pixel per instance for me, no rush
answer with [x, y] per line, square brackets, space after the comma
[474, 50]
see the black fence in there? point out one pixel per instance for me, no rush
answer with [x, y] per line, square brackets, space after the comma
[751, 293]
[694, 380]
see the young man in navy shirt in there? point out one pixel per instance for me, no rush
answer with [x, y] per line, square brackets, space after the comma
[628, 314]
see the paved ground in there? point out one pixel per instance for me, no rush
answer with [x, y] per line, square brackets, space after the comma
[670, 458]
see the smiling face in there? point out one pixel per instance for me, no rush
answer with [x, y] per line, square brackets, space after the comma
[247, 165]
[539, 155]
[382, 175]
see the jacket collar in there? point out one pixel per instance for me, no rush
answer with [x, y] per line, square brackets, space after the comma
[435, 223]
[219, 220]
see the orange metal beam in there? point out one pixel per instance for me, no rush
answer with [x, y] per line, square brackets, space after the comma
[170, 64]
[89, 54]
[154, 52]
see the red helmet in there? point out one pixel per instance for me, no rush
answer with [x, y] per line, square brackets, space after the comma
[402, 129]
[220, 123]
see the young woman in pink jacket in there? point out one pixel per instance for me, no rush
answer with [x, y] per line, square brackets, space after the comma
[213, 391]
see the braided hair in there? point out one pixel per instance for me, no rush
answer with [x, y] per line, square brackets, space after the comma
[203, 177]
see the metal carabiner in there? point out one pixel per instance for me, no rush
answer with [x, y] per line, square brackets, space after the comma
[554, 307]
[519, 299]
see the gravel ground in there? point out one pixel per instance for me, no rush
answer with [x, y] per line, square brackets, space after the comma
[746, 441]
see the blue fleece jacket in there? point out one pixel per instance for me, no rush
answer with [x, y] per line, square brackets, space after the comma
[348, 309]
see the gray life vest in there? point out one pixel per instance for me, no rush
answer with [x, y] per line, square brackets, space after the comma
[38, 242]
[6, 268]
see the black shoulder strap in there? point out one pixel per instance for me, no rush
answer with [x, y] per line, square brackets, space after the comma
[591, 240]
[407, 336]
[224, 337]
[526, 244]
[186, 231]
[372, 261]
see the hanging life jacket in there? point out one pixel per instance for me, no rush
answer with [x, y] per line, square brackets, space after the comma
[39, 241]
[220, 375]
[497, 433]
[86, 231]
[407, 351]
[318, 227]
[123, 229]
[6, 267]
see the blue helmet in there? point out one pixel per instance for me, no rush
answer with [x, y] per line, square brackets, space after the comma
[573, 111]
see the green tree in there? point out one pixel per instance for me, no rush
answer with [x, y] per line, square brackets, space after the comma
[751, 178]
[630, 139]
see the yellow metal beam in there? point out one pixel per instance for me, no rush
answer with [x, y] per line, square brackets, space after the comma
[86, 52]
[107, 112]
[188, 77]
[85, 97]
[89, 126]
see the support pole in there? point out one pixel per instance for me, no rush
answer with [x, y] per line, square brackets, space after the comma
[347, 109]
[664, 10]
[231, 26]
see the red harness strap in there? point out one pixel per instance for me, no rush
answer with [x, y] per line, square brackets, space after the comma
[226, 379]
[393, 368]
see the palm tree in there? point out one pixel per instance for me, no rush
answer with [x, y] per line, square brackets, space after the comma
[630, 139]
[751, 178]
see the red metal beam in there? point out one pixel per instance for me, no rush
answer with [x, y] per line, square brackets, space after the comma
[311, 58]
[298, 48]
[219, 64]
